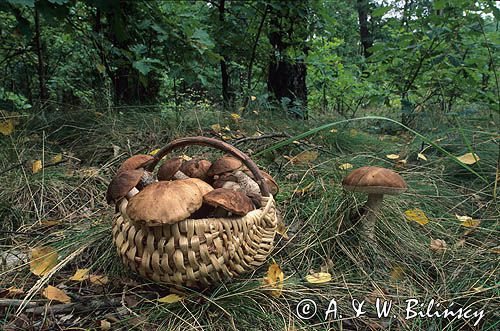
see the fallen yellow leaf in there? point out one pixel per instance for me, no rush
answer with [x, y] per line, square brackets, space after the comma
[154, 151]
[98, 279]
[171, 298]
[421, 156]
[53, 293]
[303, 190]
[319, 278]
[353, 132]
[345, 166]
[80, 275]
[392, 156]
[216, 127]
[186, 157]
[275, 278]
[468, 158]
[11, 292]
[49, 223]
[235, 117]
[105, 325]
[417, 215]
[43, 259]
[281, 229]
[253, 97]
[334, 130]
[304, 157]
[397, 273]
[56, 158]
[7, 127]
[468, 221]
[36, 166]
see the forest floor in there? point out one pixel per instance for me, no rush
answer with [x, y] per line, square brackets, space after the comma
[60, 210]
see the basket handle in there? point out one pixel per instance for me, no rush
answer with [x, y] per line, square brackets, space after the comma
[215, 143]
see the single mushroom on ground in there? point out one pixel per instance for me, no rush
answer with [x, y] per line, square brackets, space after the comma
[170, 170]
[165, 202]
[135, 163]
[234, 202]
[196, 168]
[376, 182]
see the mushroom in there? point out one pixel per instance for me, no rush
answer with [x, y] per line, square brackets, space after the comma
[376, 182]
[165, 202]
[271, 183]
[234, 202]
[135, 162]
[230, 165]
[196, 168]
[170, 170]
[123, 185]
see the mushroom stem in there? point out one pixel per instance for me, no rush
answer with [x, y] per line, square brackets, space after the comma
[180, 175]
[371, 207]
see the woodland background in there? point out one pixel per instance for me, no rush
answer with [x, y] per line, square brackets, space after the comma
[309, 89]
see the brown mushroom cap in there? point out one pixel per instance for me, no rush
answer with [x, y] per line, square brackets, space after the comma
[165, 202]
[169, 168]
[134, 162]
[196, 168]
[122, 183]
[202, 186]
[375, 180]
[233, 201]
[224, 164]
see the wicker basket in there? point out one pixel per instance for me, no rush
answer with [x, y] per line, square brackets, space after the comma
[198, 252]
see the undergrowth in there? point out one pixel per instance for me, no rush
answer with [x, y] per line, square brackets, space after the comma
[322, 222]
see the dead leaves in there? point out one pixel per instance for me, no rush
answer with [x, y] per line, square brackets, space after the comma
[80, 275]
[303, 157]
[171, 298]
[7, 127]
[468, 221]
[83, 274]
[468, 158]
[345, 166]
[36, 166]
[274, 279]
[319, 278]
[55, 294]
[417, 215]
[437, 245]
[43, 260]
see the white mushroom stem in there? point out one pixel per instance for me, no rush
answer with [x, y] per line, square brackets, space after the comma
[249, 186]
[180, 175]
[372, 206]
[132, 192]
[232, 186]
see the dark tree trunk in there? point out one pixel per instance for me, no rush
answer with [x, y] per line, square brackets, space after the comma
[226, 95]
[41, 62]
[286, 78]
[364, 32]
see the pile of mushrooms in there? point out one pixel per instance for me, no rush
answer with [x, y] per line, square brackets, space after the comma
[185, 189]
[376, 182]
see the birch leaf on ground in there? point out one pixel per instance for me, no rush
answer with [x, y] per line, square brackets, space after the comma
[319, 278]
[417, 215]
[422, 156]
[80, 275]
[281, 229]
[303, 157]
[98, 279]
[171, 298]
[397, 273]
[345, 166]
[43, 259]
[56, 158]
[7, 127]
[275, 278]
[467, 221]
[468, 158]
[53, 293]
[154, 151]
[36, 166]
[392, 156]
[437, 245]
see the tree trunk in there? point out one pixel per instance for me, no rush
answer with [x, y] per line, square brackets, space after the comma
[226, 96]
[286, 78]
[363, 8]
[39, 53]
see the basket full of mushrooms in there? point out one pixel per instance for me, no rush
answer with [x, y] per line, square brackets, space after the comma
[194, 223]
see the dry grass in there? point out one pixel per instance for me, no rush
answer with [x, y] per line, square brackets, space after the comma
[321, 220]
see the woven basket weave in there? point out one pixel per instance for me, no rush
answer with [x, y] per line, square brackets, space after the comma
[198, 252]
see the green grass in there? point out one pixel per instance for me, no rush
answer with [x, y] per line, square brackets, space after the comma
[321, 220]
